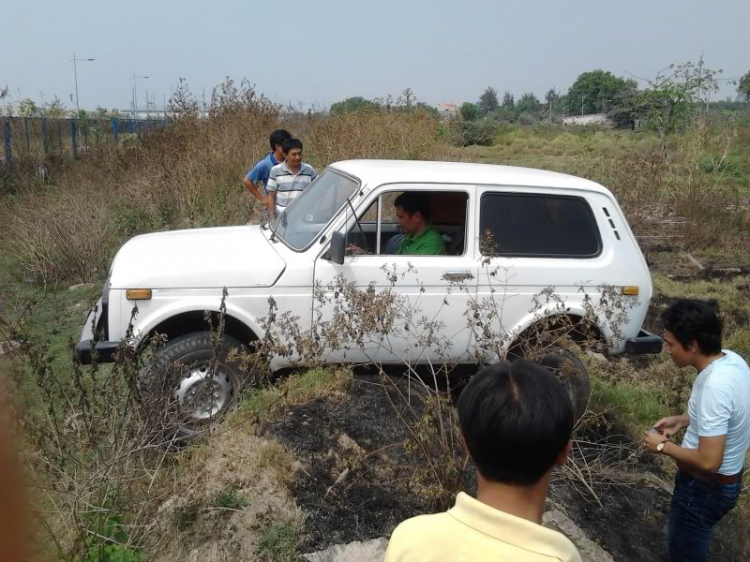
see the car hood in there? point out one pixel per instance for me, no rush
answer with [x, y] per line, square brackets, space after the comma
[235, 256]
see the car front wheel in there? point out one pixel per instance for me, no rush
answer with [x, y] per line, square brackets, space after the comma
[197, 381]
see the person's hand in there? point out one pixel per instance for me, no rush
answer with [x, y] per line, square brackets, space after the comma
[354, 250]
[265, 200]
[652, 438]
[670, 425]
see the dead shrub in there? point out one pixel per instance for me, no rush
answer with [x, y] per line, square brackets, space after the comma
[53, 237]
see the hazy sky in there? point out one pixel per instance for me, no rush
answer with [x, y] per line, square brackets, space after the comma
[321, 51]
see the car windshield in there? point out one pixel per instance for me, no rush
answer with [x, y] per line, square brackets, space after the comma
[307, 215]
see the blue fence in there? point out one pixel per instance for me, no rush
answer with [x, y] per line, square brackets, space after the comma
[37, 138]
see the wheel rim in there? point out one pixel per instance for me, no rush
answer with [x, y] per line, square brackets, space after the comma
[203, 395]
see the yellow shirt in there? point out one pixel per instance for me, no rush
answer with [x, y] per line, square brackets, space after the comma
[473, 531]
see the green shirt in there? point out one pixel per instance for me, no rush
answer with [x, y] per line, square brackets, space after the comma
[426, 243]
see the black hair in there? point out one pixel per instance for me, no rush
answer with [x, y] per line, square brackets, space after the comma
[516, 419]
[278, 137]
[290, 144]
[412, 202]
[694, 320]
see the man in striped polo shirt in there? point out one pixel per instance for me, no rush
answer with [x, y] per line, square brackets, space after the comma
[288, 179]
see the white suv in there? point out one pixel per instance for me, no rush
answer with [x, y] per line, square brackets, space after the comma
[534, 244]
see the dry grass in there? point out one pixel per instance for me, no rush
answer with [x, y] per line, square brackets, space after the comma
[227, 497]
[187, 176]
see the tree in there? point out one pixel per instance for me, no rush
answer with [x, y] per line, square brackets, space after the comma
[528, 103]
[469, 111]
[743, 87]
[27, 108]
[182, 102]
[407, 99]
[488, 100]
[54, 109]
[671, 98]
[351, 105]
[508, 100]
[594, 92]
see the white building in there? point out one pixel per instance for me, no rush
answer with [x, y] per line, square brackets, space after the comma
[591, 119]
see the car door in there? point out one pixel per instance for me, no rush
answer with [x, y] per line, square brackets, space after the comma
[398, 308]
[542, 253]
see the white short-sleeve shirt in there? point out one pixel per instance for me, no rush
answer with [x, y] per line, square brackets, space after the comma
[720, 405]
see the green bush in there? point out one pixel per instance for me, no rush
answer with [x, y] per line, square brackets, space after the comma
[467, 133]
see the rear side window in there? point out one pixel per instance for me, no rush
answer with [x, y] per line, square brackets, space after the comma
[515, 224]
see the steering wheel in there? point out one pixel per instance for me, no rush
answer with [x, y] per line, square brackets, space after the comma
[355, 237]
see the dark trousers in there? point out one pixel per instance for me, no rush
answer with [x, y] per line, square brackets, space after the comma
[696, 507]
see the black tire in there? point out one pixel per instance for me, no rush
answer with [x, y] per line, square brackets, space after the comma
[177, 381]
[570, 371]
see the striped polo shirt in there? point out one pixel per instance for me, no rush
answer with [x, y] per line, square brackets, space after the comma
[287, 185]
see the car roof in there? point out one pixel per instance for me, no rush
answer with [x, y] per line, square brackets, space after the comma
[379, 172]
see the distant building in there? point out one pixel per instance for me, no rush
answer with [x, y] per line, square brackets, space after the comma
[447, 110]
[591, 119]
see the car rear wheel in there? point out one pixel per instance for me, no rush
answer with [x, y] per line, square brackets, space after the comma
[571, 372]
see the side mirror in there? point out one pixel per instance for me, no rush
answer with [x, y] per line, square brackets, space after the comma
[337, 251]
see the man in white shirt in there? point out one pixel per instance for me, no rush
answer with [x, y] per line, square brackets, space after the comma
[711, 458]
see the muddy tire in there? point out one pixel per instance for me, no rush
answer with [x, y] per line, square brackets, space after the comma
[570, 371]
[178, 381]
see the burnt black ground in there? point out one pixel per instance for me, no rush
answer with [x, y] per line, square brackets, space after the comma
[376, 493]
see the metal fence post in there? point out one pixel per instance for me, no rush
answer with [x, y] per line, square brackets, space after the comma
[59, 137]
[6, 137]
[115, 132]
[74, 146]
[45, 138]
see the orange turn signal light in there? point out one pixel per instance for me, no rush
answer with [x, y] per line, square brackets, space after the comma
[138, 294]
[631, 291]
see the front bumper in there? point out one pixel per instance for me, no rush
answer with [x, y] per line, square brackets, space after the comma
[103, 350]
[91, 344]
[644, 343]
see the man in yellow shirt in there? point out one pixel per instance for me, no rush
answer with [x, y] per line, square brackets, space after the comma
[516, 421]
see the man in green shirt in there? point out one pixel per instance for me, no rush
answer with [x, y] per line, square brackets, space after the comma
[420, 237]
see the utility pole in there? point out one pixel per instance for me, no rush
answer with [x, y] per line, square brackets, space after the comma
[75, 74]
[135, 93]
[551, 101]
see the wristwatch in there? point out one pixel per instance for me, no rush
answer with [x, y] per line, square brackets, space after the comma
[660, 446]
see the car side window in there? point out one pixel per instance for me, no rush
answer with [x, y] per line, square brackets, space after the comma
[530, 225]
[447, 216]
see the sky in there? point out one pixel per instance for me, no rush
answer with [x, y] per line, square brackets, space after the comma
[316, 52]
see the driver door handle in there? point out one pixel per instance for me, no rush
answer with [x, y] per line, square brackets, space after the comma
[458, 276]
